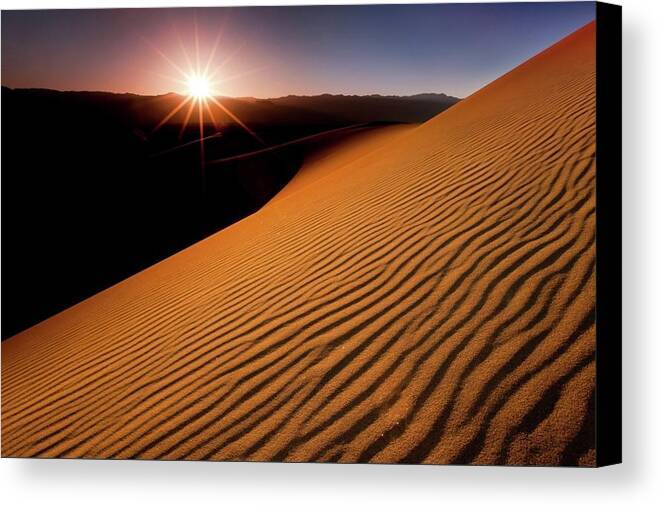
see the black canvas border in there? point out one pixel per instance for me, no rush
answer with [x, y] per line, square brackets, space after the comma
[608, 409]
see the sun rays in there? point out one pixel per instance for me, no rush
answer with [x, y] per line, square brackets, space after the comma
[200, 83]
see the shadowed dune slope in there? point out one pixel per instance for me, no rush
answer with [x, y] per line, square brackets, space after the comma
[430, 301]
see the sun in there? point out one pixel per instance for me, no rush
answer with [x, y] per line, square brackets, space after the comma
[198, 87]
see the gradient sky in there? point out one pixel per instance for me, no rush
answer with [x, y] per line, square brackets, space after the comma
[387, 49]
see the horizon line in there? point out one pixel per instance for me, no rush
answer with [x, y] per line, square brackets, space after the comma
[321, 94]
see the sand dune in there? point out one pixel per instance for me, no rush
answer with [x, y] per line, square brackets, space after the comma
[428, 298]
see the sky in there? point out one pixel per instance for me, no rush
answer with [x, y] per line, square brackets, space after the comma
[274, 51]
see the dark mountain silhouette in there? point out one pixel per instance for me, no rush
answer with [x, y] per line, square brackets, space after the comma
[147, 111]
[364, 108]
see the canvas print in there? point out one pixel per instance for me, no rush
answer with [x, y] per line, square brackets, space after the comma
[342, 234]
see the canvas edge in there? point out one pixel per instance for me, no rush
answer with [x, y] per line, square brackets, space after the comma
[608, 409]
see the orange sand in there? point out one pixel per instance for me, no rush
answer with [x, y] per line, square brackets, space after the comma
[427, 298]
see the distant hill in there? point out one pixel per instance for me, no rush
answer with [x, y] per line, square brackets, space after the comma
[144, 112]
[365, 108]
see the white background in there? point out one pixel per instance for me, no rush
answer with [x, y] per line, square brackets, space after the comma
[636, 482]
